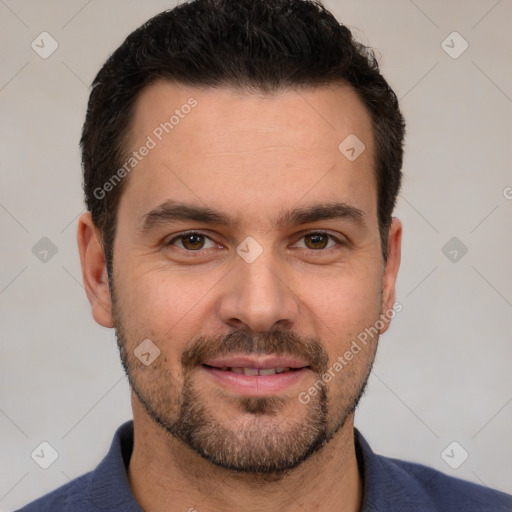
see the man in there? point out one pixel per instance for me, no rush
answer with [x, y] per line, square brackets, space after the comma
[241, 165]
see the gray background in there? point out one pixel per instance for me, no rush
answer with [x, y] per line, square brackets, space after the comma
[443, 370]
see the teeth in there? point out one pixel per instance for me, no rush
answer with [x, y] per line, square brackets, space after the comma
[257, 371]
[268, 371]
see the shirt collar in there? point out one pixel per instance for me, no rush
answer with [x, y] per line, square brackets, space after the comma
[109, 488]
[384, 479]
[387, 486]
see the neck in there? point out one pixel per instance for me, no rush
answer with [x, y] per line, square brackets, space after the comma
[164, 473]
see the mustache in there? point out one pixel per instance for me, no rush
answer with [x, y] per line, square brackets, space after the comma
[265, 343]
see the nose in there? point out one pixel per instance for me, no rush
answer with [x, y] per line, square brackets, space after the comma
[259, 297]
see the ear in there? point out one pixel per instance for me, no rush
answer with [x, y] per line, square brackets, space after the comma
[94, 270]
[391, 272]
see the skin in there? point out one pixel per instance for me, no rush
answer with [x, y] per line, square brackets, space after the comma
[250, 157]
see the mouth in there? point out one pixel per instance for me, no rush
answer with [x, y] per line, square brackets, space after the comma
[256, 376]
[249, 371]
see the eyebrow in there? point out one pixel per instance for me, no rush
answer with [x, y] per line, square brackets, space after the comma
[173, 211]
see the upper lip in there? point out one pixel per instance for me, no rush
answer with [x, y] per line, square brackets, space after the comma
[257, 361]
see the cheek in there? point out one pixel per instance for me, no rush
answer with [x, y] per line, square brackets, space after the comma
[163, 306]
[344, 304]
[346, 308]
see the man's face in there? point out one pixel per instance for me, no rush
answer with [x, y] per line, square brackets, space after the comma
[282, 271]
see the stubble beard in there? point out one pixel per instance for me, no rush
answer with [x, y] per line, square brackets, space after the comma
[263, 440]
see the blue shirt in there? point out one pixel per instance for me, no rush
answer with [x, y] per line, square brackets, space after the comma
[390, 485]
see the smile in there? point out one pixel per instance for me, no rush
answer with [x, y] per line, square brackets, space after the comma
[256, 376]
[254, 371]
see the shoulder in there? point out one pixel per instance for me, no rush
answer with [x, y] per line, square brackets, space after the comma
[106, 488]
[393, 485]
[71, 497]
[446, 493]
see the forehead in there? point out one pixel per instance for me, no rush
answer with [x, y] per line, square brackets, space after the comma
[212, 144]
[318, 112]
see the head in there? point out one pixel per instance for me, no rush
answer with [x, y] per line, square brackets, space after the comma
[241, 165]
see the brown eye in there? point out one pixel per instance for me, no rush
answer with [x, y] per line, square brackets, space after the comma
[316, 241]
[192, 241]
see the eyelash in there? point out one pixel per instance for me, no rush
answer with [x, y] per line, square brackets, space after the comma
[189, 233]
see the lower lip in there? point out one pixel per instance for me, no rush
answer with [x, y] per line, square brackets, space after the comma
[257, 385]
